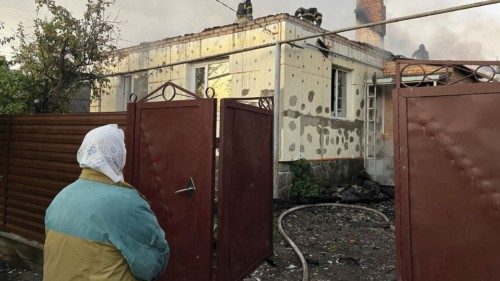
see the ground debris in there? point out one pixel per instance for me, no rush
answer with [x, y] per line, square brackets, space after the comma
[9, 273]
[338, 244]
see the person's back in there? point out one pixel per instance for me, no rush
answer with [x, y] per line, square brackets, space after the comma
[102, 229]
[421, 53]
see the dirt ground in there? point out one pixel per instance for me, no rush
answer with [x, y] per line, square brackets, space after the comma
[8, 273]
[339, 245]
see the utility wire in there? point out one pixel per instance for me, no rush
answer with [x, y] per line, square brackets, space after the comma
[15, 16]
[399, 19]
[16, 8]
[21, 9]
[267, 30]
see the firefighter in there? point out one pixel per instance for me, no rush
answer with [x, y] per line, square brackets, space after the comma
[299, 12]
[318, 19]
[421, 53]
[310, 14]
[245, 11]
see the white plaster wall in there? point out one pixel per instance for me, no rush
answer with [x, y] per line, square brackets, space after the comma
[307, 129]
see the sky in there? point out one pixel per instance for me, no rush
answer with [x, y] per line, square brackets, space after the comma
[465, 35]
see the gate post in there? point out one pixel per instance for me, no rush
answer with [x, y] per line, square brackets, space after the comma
[276, 114]
[129, 143]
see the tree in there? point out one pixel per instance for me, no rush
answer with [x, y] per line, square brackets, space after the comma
[4, 39]
[14, 95]
[13, 85]
[65, 53]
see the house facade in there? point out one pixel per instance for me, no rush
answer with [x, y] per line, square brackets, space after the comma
[323, 93]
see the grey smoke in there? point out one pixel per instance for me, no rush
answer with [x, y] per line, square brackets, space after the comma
[470, 34]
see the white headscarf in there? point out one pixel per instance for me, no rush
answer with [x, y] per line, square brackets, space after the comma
[103, 150]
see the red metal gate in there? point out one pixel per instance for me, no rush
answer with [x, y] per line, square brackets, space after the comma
[448, 182]
[172, 147]
[244, 236]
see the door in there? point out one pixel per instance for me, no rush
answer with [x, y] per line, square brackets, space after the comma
[244, 236]
[173, 166]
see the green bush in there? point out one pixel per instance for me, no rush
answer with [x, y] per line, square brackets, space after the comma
[304, 184]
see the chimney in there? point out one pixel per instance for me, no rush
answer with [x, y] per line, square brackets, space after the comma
[368, 11]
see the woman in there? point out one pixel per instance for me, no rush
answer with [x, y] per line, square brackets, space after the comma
[99, 227]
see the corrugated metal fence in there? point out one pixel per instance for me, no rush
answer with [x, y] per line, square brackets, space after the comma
[38, 159]
[4, 159]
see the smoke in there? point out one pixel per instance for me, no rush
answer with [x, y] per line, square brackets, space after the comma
[442, 41]
[463, 35]
[466, 35]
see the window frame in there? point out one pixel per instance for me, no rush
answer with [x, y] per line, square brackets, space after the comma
[334, 94]
[126, 96]
[205, 65]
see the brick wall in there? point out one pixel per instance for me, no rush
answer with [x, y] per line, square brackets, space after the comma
[368, 11]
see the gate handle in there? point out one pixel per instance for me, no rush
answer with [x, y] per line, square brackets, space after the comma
[191, 188]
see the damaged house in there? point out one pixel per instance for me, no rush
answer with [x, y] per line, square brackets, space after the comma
[323, 96]
[336, 94]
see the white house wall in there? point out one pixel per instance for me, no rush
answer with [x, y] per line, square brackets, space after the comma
[307, 128]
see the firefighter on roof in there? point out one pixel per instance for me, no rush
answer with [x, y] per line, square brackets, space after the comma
[245, 11]
[310, 14]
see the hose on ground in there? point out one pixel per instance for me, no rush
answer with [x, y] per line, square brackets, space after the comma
[305, 268]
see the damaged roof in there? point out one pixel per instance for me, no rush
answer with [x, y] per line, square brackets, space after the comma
[256, 24]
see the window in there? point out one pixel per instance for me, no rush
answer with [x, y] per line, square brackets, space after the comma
[339, 93]
[137, 84]
[126, 90]
[214, 75]
[140, 84]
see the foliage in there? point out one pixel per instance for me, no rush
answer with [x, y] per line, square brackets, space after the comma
[304, 184]
[65, 53]
[4, 39]
[14, 94]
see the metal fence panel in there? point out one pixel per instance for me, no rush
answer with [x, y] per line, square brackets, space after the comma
[42, 161]
[4, 164]
[173, 166]
[244, 235]
[448, 204]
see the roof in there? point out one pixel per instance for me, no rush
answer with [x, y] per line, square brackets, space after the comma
[257, 23]
[454, 69]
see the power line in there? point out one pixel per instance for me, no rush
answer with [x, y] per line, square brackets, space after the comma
[227, 6]
[399, 19]
[16, 8]
[22, 9]
[15, 16]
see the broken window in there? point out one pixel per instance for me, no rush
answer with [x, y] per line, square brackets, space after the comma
[213, 75]
[136, 84]
[140, 84]
[339, 93]
[126, 89]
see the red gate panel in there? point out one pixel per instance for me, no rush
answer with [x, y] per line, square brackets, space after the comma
[173, 142]
[448, 183]
[244, 236]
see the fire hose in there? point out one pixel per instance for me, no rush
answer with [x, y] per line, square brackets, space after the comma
[305, 269]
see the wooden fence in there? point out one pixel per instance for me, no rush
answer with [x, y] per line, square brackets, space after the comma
[37, 160]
